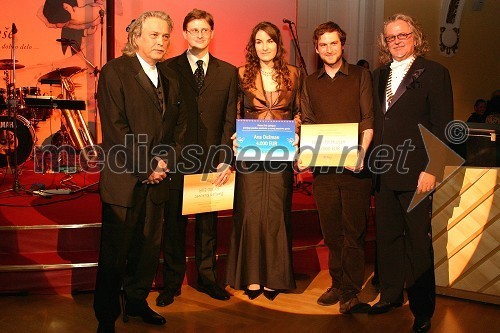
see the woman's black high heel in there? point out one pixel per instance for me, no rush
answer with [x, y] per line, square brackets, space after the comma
[253, 294]
[271, 294]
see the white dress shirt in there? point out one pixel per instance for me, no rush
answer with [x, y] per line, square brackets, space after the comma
[150, 71]
[193, 59]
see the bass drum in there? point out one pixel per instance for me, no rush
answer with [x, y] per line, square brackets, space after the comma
[24, 143]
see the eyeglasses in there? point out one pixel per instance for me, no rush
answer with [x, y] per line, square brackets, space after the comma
[196, 32]
[401, 36]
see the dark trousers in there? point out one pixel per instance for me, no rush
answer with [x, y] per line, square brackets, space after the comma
[206, 248]
[129, 254]
[343, 202]
[405, 255]
[174, 244]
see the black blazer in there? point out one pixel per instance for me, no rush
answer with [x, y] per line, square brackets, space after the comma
[211, 119]
[129, 108]
[424, 97]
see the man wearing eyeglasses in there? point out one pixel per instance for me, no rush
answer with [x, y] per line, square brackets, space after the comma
[408, 91]
[209, 87]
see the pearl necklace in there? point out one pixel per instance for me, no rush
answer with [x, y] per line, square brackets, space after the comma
[267, 73]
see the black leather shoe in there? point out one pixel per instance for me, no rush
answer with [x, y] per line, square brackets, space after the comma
[354, 305]
[214, 291]
[271, 294]
[383, 307]
[166, 297]
[106, 327]
[253, 294]
[421, 325]
[329, 297]
[146, 313]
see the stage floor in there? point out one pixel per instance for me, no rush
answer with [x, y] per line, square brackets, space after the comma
[295, 312]
[50, 245]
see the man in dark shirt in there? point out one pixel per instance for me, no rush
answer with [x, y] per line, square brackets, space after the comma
[341, 93]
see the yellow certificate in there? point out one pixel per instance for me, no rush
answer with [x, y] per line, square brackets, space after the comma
[329, 145]
[201, 196]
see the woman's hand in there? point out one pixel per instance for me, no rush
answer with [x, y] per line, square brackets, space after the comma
[235, 144]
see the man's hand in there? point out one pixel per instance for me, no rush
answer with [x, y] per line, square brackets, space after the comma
[223, 174]
[357, 168]
[155, 177]
[426, 182]
[360, 163]
[159, 174]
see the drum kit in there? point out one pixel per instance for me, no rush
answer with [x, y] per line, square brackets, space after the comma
[21, 109]
[18, 94]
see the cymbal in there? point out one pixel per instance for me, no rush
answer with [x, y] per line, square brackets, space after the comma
[7, 61]
[9, 66]
[55, 76]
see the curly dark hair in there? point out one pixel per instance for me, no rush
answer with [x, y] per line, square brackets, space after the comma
[252, 66]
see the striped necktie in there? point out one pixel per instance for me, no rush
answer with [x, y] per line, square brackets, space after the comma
[388, 89]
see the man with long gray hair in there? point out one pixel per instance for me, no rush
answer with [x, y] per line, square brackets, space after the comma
[143, 124]
[408, 91]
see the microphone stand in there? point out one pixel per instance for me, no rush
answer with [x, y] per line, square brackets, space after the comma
[12, 106]
[299, 182]
[96, 114]
[302, 63]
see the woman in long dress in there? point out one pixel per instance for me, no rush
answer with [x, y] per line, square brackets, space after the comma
[260, 252]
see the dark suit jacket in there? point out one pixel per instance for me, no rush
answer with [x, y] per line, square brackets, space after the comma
[211, 111]
[129, 108]
[424, 97]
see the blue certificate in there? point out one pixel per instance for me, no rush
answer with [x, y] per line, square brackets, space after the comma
[265, 140]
